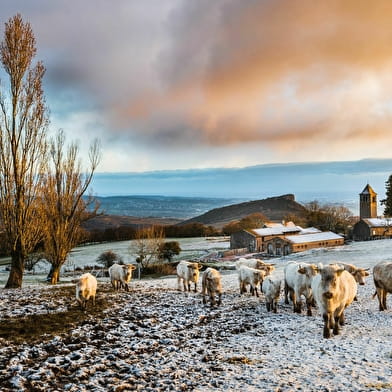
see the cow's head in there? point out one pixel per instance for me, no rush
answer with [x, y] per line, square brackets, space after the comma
[268, 268]
[308, 270]
[329, 279]
[194, 270]
[360, 274]
[128, 268]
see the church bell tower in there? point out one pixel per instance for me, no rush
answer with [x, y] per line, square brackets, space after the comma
[368, 203]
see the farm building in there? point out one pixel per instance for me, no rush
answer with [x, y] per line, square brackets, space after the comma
[369, 227]
[372, 229]
[280, 239]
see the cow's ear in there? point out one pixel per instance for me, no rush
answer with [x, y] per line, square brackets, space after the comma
[190, 266]
[133, 267]
[302, 270]
[199, 266]
[366, 272]
[124, 267]
[339, 271]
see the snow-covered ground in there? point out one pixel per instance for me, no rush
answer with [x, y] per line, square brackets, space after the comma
[156, 338]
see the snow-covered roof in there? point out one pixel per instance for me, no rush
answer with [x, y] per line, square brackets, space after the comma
[368, 190]
[272, 225]
[316, 237]
[275, 230]
[378, 222]
[309, 230]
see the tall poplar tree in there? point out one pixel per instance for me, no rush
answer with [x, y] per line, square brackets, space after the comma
[23, 129]
[64, 208]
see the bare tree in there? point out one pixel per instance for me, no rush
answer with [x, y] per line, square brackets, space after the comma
[23, 128]
[147, 244]
[64, 208]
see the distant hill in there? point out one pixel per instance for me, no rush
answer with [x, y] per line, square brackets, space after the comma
[153, 206]
[274, 208]
[103, 222]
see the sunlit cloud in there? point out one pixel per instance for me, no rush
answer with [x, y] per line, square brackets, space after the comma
[218, 82]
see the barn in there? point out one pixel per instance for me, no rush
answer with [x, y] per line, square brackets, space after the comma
[281, 239]
[372, 229]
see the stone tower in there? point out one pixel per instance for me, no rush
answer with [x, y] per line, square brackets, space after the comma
[368, 203]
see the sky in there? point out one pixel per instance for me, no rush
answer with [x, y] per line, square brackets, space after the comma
[180, 84]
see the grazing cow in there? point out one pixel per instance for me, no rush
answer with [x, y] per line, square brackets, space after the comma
[86, 288]
[188, 272]
[212, 285]
[334, 289]
[255, 263]
[120, 275]
[271, 289]
[382, 276]
[297, 282]
[250, 276]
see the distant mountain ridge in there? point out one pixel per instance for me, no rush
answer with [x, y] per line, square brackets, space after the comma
[274, 208]
[342, 181]
[163, 207]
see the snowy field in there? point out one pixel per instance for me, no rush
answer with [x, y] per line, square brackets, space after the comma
[156, 338]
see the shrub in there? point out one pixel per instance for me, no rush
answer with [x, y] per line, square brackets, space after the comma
[108, 258]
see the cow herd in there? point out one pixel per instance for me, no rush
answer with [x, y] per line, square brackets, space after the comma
[331, 287]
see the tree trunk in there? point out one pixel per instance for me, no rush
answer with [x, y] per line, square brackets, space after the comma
[15, 277]
[55, 274]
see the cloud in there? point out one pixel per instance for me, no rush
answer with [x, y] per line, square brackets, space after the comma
[272, 71]
[296, 77]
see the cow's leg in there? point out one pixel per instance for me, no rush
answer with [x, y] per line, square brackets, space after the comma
[336, 327]
[268, 306]
[219, 299]
[195, 290]
[380, 298]
[326, 332]
[212, 299]
[309, 306]
[296, 302]
[274, 306]
[384, 299]
[256, 292]
[286, 292]
[342, 321]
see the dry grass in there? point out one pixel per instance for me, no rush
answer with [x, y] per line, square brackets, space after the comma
[40, 327]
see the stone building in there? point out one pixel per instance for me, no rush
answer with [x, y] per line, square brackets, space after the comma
[280, 240]
[368, 203]
[372, 229]
[369, 226]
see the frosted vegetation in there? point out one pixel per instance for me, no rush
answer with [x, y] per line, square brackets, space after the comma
[155, 338]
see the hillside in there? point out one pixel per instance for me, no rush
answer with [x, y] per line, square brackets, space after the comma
[103, 222]
[275, 208]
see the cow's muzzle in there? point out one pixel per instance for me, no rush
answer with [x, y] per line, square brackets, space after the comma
[328, 295]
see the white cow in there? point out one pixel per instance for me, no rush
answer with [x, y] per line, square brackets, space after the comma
[271, 289]
[255, 263]
[250, 276]
[120, 275]
[358, 273]
[86, 288]
[334, 289]
[382, 276]
[188, 272]
[297, 282]
[212, 285]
